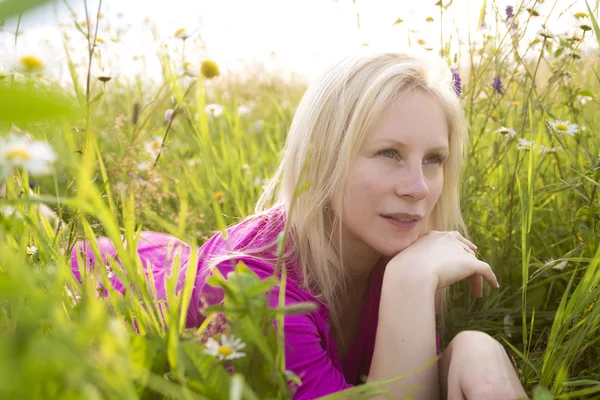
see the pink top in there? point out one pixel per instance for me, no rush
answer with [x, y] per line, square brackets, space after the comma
[310, 347]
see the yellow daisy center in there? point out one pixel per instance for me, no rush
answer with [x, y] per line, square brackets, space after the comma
[225, 351]
[156, 145]
[99, 40]
[15, 154]
[580, 14]
[421, 41]
[179, 32]
[32, 63]
[562, 127]
[30, 252]
[516, 103]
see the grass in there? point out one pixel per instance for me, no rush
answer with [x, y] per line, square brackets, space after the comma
[122, 168]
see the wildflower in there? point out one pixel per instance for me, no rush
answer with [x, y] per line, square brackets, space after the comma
[31, 250]
[244, 110]
[75, 297]
[143, 166]
[583, 100]
[497, 84]
[209, 69]
[585, 27]
[35, 156]
[509, 12]
[228, 349]
[168, 114]
[580, 14]
[421, 42]
[509, 322]
[546, 34]
[429, 19]
[219, 197]
[543, 149]
[153, 146]
[525, 145]
[504, 131]
[564, 127]
[104, 74]
[182, 34]
[8, 211]
[31, 63]
[456, 81]
[483, 23]
[109, 272]
[215, 110]
[516, 104]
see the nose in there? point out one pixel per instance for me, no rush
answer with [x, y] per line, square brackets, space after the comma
[413, 184]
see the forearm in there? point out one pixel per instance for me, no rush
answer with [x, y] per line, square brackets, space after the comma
[405, 339]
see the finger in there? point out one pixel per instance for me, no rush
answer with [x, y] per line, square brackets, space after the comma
[476, 285]
[484, 269]
[466, 241]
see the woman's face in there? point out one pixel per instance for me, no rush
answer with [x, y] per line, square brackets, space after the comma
[396, 178]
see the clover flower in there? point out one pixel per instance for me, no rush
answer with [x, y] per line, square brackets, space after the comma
[509, 12]
[497, 84]
[456, 81]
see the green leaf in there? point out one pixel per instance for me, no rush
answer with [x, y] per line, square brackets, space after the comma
[541, 393]
[21, 102]
[10, 8]
[594, 23]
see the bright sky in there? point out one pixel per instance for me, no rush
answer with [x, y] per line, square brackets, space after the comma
[285, 35]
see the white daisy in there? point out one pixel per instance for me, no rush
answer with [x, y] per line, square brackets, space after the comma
[583, 100]
[525, 145]
[504, 131]
[182, 33]
[244, 110]
[228, 349]
[31, 250]
[544, 149]
[18, 151]
[214, 110]
[153, 146]
[564, 127]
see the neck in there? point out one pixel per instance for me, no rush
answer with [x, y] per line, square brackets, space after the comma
[359, 261]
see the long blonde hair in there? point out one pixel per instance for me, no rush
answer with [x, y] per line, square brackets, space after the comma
[333, 118]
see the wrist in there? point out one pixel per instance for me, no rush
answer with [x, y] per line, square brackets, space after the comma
[401, 276]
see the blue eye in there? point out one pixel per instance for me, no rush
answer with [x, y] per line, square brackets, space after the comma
[389, 153]
[435, 159]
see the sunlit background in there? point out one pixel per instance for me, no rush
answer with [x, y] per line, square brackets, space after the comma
[291, 38]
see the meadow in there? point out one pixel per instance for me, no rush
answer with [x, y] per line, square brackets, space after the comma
[109, 156]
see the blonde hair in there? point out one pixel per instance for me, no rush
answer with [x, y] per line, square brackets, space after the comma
[333, 118]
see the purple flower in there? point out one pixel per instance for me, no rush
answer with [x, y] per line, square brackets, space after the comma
[456, 81]
[509, 12]
[497, 84]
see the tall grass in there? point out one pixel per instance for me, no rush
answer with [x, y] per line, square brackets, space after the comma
[530, 200]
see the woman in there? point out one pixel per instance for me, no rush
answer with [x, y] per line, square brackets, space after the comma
[380, 139]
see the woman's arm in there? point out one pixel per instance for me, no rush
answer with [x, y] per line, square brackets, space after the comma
[405, 339]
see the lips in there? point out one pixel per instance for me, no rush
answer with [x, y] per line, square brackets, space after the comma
[403, 217]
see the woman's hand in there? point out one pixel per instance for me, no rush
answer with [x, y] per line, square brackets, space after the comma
[448, 257]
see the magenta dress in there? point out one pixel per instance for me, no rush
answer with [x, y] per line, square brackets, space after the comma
[310, 347]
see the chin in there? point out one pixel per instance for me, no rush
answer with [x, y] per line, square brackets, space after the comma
[393, 248]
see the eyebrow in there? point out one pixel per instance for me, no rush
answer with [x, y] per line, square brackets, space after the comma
[402, 145]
